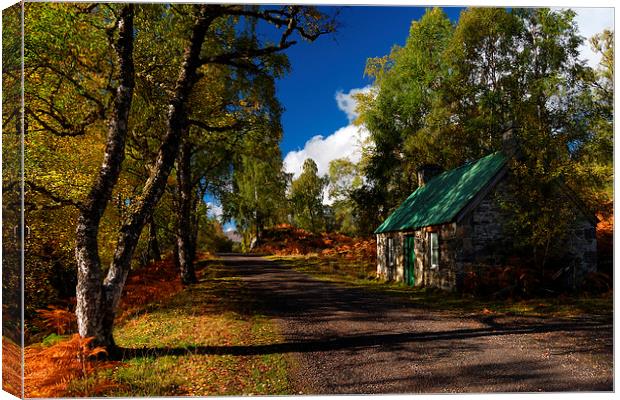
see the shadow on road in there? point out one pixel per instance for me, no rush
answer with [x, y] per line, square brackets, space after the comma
[352, 342]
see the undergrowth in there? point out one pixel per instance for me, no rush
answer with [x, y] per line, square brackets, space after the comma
[175, 341]
[49, 370]
[286, 240]
[194, 343]
[11, 367]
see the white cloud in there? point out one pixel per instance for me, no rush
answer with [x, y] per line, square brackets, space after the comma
[347, 103]
[345, 142]
[591, 21]
[214, 210]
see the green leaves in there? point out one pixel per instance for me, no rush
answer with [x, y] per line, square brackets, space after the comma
[307, 198]
[258, 197]
[400, 106]
[449, 94]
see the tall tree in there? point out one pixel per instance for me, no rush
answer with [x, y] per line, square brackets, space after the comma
[306, 197]
[550, 129]
[494, 70]
[596, 156]
[344, 178]
[245, 120]
[100, 322]
[96, 303]
[258, 198]
[395, 111]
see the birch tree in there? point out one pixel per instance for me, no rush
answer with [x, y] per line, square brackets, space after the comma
[109, 101]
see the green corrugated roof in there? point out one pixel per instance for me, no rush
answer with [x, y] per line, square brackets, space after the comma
[441, 199]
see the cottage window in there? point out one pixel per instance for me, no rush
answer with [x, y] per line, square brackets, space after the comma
[390, 252]
[434, 250]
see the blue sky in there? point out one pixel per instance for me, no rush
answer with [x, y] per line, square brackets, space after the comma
[336, 62]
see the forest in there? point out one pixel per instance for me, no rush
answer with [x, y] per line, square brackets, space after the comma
[137, 116]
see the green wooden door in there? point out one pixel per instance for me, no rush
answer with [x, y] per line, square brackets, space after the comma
[410, 261]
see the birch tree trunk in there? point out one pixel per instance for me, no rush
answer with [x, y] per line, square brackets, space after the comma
[184, 220]
[89, 291]
[97, 302]
[156, 184]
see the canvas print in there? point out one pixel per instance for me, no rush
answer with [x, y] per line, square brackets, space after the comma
[253, 199]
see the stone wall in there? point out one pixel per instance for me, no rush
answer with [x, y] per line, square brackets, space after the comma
[580, 255]
[483, 231]
[444, 276]
[486, 244]
[482, 242]
[395, 272]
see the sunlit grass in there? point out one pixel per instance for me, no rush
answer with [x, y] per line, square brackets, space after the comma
[205, 315]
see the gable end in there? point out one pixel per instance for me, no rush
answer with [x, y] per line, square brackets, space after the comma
[473, 203]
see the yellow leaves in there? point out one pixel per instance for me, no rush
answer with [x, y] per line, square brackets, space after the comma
[375, 66]
[65, 165]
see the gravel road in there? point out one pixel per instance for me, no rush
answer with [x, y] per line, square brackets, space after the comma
[343, 339]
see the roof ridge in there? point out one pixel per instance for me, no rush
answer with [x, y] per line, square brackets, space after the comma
[467, 163]
[437, 202]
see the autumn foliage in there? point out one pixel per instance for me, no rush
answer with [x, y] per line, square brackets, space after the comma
[285, 240]
[603, 279]
[49, 370]
[156, 282]
[11, 367]
[605, 237]
[58, 320]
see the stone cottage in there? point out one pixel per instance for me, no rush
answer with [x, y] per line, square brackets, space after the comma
[453, 224]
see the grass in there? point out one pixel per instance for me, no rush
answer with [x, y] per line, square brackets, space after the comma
[206, 314]
[362, 273]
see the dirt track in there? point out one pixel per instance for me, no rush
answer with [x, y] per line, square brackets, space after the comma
[346, 340]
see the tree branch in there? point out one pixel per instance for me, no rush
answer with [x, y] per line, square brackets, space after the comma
[280, 18]
[210, 128]
[287, 16]
[229, 58]
[81, 90]
[53, 196]
[68, 129]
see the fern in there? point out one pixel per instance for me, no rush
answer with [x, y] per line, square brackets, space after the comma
[50, 369]
[11, 367]
[59, 320]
